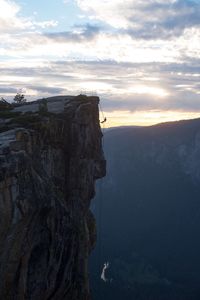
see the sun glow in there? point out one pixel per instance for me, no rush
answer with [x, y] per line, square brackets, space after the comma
[149, 90]
[145, 118]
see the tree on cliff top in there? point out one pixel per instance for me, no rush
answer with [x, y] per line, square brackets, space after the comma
[19, 98]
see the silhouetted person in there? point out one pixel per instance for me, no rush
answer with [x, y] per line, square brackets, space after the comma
[103, 121]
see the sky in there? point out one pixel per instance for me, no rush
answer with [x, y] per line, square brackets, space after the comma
[141, 57]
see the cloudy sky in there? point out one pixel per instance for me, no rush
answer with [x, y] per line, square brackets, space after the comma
[142, 57]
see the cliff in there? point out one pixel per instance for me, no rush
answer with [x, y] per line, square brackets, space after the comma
[49, 162]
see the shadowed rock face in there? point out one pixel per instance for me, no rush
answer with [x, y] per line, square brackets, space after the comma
[47, 176]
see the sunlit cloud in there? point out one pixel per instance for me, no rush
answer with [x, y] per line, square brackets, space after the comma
[141, 57]
[146, 19]
[12, 22]
[146, 90]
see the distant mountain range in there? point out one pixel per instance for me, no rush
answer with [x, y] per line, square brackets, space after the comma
[148, 212]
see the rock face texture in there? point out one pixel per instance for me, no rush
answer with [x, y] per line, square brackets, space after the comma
[47, 173]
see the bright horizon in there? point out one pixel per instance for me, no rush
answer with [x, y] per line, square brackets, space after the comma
[126, 118]
[142, 58]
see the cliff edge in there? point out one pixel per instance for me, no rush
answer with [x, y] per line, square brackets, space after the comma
[49, 162]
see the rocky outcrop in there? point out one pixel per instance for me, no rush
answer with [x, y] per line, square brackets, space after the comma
[48, 168]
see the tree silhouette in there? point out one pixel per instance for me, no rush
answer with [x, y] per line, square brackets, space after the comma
[19, 98]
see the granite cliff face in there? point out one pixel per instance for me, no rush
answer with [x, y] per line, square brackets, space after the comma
[48, 167]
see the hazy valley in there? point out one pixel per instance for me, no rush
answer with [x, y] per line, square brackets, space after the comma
[148, 212]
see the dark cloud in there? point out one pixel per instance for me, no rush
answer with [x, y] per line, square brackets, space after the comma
[7, 89]
[84, 33]
[163, 20]
[44, 89]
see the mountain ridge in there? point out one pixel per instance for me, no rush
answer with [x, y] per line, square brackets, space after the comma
[150, 212]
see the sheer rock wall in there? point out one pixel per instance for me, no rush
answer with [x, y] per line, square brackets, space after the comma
[47, 177]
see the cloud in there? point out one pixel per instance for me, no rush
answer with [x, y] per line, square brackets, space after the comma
[8, 90]
[136, 55]
[77, 34]
[8, 17]
[45, 24]
[166, 20]
[121, 86]
[145, 19]
[89, 43]
[112, 12]
[51, 90]
[12, 22]
[128, 40]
